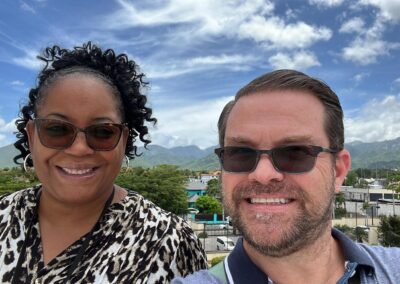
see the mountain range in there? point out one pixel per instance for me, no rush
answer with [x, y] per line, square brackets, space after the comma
[385, 154]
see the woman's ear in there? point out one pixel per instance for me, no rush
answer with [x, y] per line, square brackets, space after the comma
[342, 167]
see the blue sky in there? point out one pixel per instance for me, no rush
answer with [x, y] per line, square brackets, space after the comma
[197, 53]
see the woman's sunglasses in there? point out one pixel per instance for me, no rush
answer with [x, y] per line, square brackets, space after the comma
[58, 134]
[294, 159]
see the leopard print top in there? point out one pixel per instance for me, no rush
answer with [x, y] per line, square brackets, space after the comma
[135, 242]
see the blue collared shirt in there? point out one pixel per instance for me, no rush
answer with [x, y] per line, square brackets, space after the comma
[373, 264]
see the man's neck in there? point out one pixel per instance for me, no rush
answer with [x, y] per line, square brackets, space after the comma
[320, 262]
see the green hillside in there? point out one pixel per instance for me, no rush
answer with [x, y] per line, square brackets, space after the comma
[385, 154]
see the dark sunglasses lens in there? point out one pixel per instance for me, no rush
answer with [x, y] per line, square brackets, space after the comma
[236, 159]
[55, 134]
[103, 136]
[293, 159]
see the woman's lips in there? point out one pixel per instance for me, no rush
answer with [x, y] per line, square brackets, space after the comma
[78, 172]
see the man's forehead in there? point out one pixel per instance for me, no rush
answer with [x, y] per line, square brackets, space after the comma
[237, 140]
[280, 117]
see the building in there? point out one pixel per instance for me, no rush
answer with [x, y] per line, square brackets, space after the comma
[194, 189]
[367, 194]
[204, 178]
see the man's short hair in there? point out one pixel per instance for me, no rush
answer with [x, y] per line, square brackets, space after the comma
[297, 81]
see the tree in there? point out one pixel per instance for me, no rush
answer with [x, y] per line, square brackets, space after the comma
[358, 234]
[389, 231]
[361, 183]
[351, 178]
[394, 182]
[346, 230]
[340, 205]
[164, 185]
[213, 188]
[208, 205]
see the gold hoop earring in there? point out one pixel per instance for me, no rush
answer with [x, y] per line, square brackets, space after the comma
[26, 168]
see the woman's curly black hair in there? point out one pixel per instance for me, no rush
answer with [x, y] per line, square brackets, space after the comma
[118, 71]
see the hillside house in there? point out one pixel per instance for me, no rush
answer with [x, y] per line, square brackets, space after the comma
[204, 178]
[194, 189]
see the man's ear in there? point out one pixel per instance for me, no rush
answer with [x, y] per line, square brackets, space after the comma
[342, 167]
[30, 130]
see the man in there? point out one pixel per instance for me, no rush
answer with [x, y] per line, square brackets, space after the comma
[283, 160]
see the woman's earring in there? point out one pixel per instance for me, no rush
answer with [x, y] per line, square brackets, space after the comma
[126, 162]
[26, 167]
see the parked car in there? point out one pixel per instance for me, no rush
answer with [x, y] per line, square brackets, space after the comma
[225, 243]
[193, 210]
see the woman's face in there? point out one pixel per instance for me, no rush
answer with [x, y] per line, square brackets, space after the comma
[77, 174]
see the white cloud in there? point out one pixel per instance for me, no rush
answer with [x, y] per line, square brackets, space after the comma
[220, 60]
[29, 60]
[354, 25]
[326, 3]
[273, 32]
[17, 83]
[209, 16]
[3, 140]
[367, 51]
[377, 120]
[7, 126]
[397, 81]
[234, 19]
[368, 46]
[7, 132]
[390, 9]
[171, 69]
[26, 7]
[188, 125]
[300, 60]
[360, 77]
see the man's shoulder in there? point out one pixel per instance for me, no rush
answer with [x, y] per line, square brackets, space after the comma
[199, 277]
[380, 253]
[385, 261]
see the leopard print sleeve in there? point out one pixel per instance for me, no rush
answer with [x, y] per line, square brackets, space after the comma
[190, 256]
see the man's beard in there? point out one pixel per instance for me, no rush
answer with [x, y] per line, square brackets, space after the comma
[302, 230]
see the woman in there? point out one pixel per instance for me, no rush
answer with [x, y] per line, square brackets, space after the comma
[77, 226]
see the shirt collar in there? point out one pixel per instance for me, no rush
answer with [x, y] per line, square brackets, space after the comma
[351, 250]
[243, 270]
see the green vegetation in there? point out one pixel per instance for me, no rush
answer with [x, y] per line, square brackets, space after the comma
[216, 260]
[164, 185]
[208, 205]
[213, 189]
[358, 234]
[394, 181]
[202, 235]
[340, 205]
[351, 179]
[389, 231]
[15, 178]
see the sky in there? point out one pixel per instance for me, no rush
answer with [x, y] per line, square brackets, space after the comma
[197, 54]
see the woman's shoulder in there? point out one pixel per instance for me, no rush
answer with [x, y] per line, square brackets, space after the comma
[18, 198]
[153, 215]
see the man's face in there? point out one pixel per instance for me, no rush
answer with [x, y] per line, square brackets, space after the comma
[280, 213]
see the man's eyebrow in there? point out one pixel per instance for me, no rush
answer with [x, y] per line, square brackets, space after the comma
[296, 139]
[239, 140]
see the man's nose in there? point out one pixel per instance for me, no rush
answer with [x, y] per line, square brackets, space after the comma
[265, 171]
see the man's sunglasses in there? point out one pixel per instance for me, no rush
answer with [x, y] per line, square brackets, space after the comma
[294, 159]
[58, 134]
